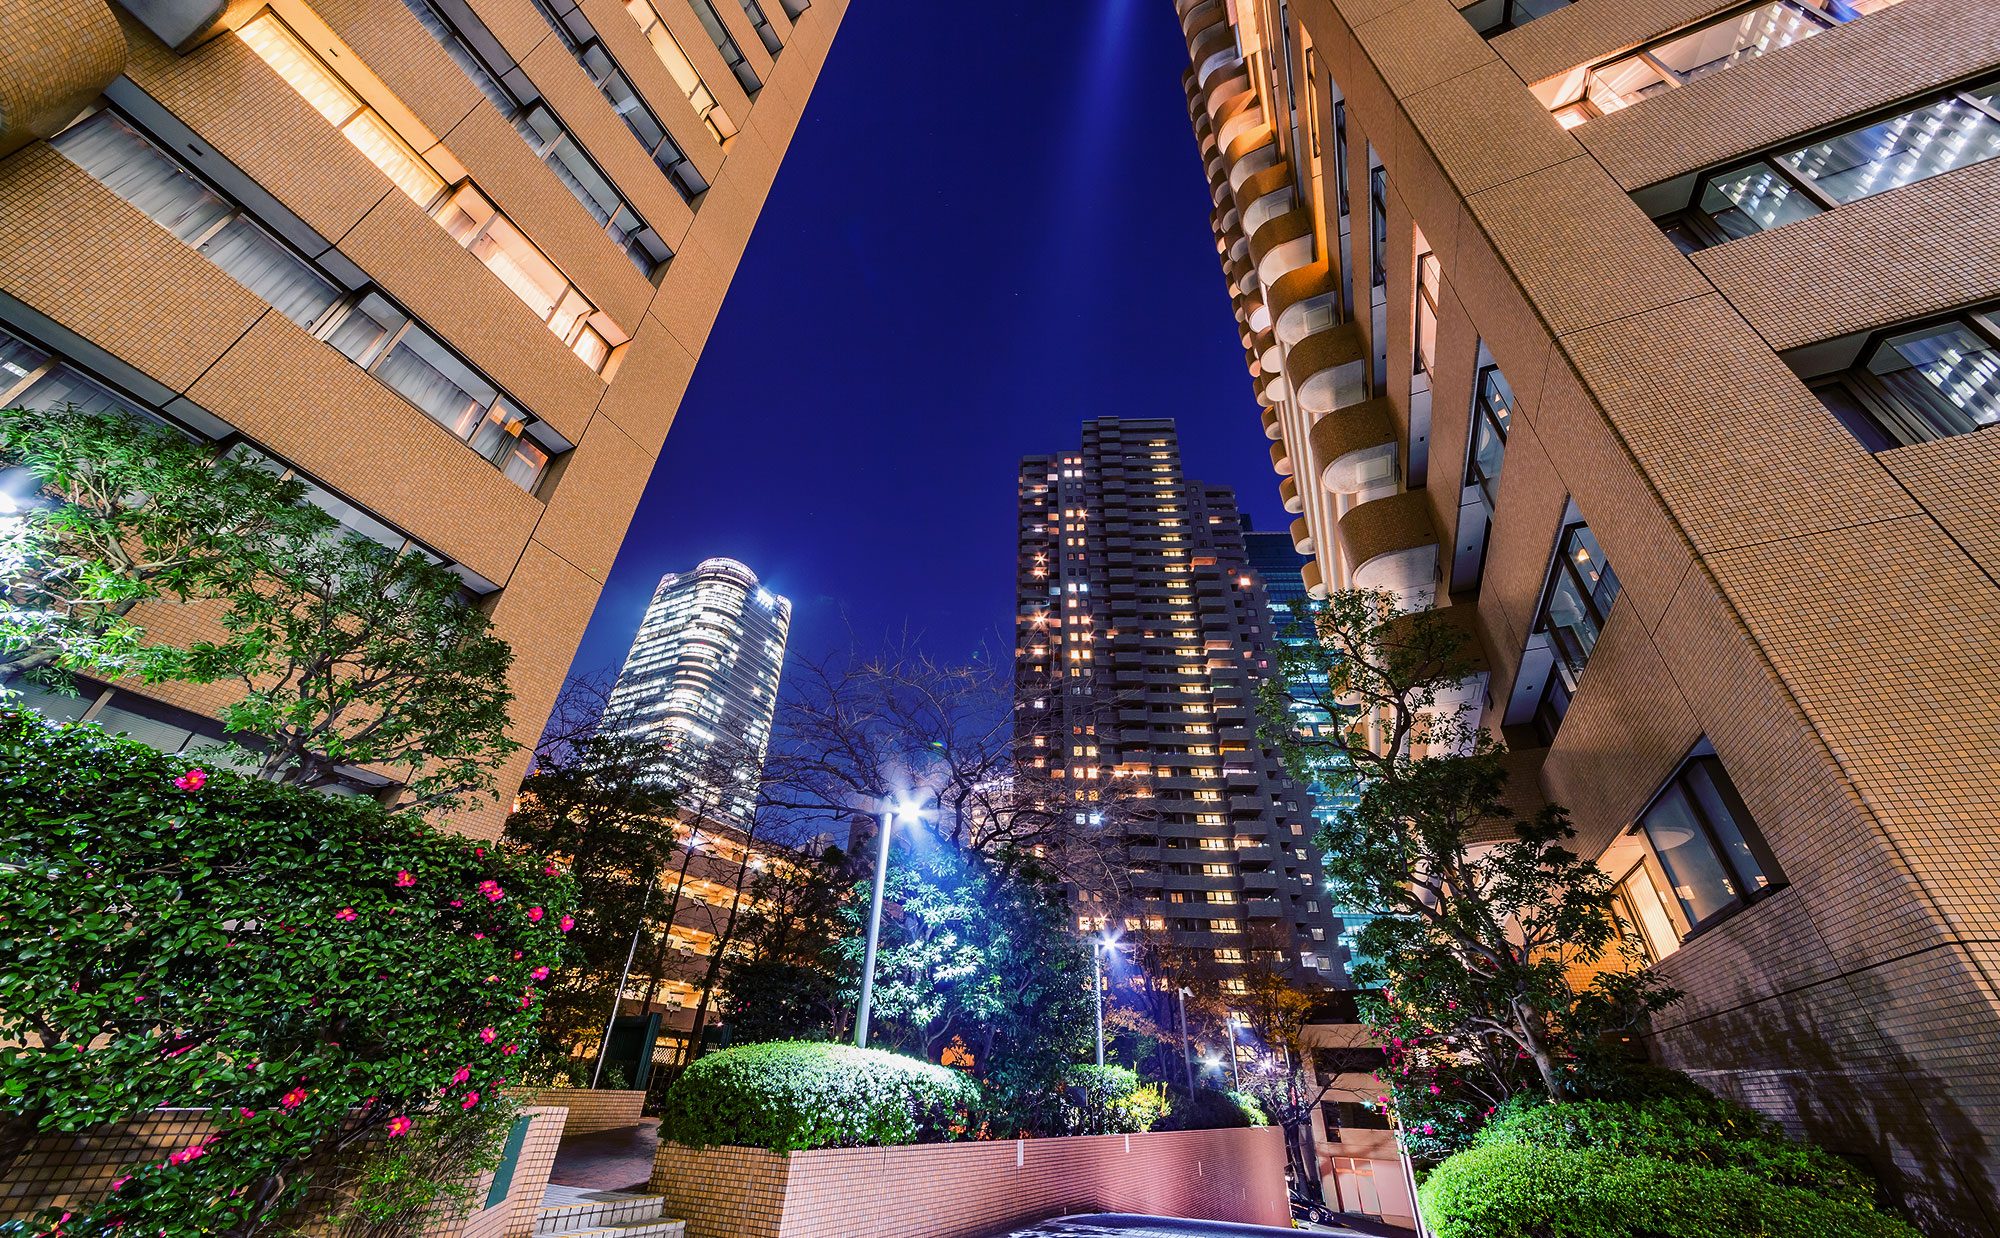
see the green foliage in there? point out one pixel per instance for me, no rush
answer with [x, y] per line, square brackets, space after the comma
[1106, 1100]
[598, 806]
[794, 1095]
[785, 981]
[1696, 1130]
[135, 512]
[1523, 1191]
[310, 968]
[1212, 1109]
[973, 956]
[393, 1187]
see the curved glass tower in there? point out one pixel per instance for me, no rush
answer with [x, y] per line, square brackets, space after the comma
[702, 678]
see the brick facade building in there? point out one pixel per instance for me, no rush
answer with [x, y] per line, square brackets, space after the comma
[1656, 341]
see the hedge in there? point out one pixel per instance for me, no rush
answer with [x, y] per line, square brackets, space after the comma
[793, 1095]
[1701, 1130]
[1523, 1191]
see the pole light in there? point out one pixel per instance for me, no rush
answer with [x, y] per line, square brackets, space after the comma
[904, 810]
[1235, 1069]
[1098, 947]
[1187, 1057]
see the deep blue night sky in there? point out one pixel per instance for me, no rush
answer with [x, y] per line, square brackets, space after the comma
[991, 226]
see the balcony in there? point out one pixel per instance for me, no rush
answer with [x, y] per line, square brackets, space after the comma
[1282, 245]
[1237, 117]
[1281, 459]
[1315, 582]
[59, 58]
[1263, 909]
[1312, 282]
[1273, 430]
[1328, 369]
[1354, 448]
[1391, 543]
[1302, 538]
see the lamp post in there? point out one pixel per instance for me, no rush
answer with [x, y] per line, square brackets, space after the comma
[1099, 945]
[904, 810]
[1235, 1069]
[1187, 1057]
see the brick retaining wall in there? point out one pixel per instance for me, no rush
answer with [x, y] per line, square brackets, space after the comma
[966, 1190]
[590, 1109]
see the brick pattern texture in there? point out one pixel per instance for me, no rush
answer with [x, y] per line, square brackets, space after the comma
[960, 1190]
[590, 1109]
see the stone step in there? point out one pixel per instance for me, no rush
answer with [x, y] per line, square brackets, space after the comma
[568, 1211]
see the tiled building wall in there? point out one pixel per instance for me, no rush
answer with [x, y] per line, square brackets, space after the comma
[1822, 616]
[959, 1190]
[87, 276]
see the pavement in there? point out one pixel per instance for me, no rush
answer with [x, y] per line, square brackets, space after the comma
[613, 1160]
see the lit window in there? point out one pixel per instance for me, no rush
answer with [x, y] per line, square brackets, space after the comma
[1428, 274]
[1578, 600]
[732, 55]
[1916, 385]
[1714, 860]
[668, 49]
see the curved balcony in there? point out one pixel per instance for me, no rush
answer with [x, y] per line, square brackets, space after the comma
[1268, 354]
[1223, 218]
[1283, 244]
[1354, 448]
[1274, 177]
[1288, 490]
[1391, 543]
[1296, 293]
[1302, 538]
[1440, 626]
[68, 55]
[1273, 430]
[1199, 17]
[1329, 369]
[1263, 398]
[1235, 151]
[1281, 459]
[1314, 580]
[1260, 316]
[1212, 52]
[1240, 115]
[1254, 159]
[1218, 182]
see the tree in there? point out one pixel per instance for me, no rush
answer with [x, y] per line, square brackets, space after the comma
[599, 806]
[786, 980]
[130, 513]
[1479, 915]
[350, 653]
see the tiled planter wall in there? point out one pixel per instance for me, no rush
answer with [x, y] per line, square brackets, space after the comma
[962, 1190]
[590, 1109]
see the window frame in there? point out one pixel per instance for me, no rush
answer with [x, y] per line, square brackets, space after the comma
[1563, 566]
[1426, 299]
[1745, 825]
[1890, 421]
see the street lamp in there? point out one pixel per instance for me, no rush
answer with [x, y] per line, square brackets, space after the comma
[1187, 1058]
[1235, 1070]
[1098, 947]
[904, 810]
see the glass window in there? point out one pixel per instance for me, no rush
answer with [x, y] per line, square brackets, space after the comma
[1428, 275]
[492, 238]
[137, 170]
[1918, 385]
[762, 24]
[1378, 227]
[794, 9]
[1581, 589]
[732, 55]
[668, 49]
[1947, 133]
[557, 148]
[645, 126]
[1492, 414]
[1713, 858]
[1641, 913]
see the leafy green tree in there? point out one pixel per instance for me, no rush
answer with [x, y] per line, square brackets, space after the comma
[1480, 915]
[318, 972]
[599, 805]
[786, 979]
[130, 513]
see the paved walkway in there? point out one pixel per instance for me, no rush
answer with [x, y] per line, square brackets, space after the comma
[614, 1160]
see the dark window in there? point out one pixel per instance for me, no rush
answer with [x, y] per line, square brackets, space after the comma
[1340, 152]
[1492, 414]
[1713, 857]
[1491, 17]
[1580, 592]
[1378, 227]
[1920, 384]
[1350, 1115]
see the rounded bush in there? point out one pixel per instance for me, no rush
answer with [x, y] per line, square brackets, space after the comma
[1521, 1191]
[793, 1095]
[1697, 1130]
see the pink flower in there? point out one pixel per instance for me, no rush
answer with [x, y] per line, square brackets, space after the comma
[345, 914]
[464, 1073]
[117, 1183]
[1429, 1129]
[292, 1099]
[480, 852]
[479, 937]
[540, 973]
[1436, 1090]
[246, 1114]
[456, 903]
[527, 1001]
[404, 877]
[510, 1049]
[185, 1155]
[548, 870]
[471, 1099]
[491, 889]
[487, 1035]
[194, 780]
[399, 1126]
[534, 915]
[565, 924]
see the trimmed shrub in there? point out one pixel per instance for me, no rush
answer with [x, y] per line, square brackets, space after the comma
[794, 1095]
[1520, 1191]
[1212, 1109]
[1105, 1100]
[1701, 1130]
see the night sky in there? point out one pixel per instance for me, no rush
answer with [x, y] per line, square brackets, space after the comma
[992, 225]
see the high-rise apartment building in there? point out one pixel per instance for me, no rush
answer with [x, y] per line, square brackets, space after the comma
[1655, 342]
[451, 261]
[1141, 636]
[1281, 568]
[702, 679]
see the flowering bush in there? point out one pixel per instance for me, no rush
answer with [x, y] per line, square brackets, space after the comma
[791, 1095]
[1106, 1100]
[316, 972]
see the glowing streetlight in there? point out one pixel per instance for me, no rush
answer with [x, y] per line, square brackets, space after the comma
[1099, 946]
[904, 810]
[1235, 1069]
[1187, 1058]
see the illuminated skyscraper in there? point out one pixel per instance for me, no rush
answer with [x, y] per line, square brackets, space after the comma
[702, 678]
